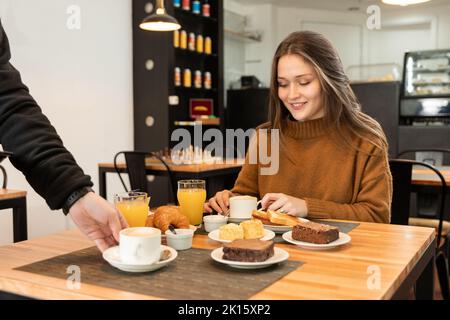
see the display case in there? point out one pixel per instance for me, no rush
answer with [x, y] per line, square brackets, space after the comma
[426, 85]
[380, 72]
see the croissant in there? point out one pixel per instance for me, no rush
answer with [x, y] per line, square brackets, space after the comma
[170, 215]
[149, 222]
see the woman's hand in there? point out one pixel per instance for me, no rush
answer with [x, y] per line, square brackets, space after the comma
[284, 203]
[220, 202]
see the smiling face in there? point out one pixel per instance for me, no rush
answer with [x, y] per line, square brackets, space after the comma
[299, 88]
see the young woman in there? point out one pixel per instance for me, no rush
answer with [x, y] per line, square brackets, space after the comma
[333, 160]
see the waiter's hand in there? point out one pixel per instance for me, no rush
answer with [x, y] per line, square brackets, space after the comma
[98, 219]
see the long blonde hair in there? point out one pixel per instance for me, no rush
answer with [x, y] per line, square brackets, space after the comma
[342, 109]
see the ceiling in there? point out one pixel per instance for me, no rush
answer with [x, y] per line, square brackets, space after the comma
[339, 5]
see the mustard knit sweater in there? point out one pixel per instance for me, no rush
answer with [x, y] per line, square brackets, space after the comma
[336, 180]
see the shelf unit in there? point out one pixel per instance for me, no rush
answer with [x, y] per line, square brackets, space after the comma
[154, 62]
[154, 118]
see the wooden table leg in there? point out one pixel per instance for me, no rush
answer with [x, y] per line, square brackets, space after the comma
[102, 182]
[425, 283]
[20, 219]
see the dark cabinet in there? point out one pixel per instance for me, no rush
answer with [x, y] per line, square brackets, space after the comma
[380, 100]
[161, 106]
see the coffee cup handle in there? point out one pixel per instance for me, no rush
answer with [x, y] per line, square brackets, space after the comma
[258, 203]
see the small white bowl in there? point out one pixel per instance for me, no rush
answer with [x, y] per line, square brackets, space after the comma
[213, 222]
[180, 241]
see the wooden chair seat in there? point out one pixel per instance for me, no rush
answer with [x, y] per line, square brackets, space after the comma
[6, 194]
[431, 223]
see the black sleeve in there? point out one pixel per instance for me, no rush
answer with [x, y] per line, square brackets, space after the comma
[38, 150]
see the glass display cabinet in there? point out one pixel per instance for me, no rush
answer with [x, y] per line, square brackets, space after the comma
[426, 85]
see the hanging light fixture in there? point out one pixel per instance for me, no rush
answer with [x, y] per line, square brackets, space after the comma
[160, 21]
[404, 2]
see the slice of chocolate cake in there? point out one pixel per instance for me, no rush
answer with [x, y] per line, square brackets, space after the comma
[315, 232]
[248, 250]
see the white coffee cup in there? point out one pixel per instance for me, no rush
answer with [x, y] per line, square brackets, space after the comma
[140, 245]
[241, 207]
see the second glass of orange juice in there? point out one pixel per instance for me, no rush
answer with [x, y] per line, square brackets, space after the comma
[134, 206]
[191, 196]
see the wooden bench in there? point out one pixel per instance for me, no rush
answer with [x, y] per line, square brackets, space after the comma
[16, 200]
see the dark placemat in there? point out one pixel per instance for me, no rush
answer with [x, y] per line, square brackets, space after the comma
[344, 227]
[192, 275]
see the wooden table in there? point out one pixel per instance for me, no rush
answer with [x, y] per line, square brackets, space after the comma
[192, 171]
[401, 254]
[421, 177]
[425, 177]
[17, 201]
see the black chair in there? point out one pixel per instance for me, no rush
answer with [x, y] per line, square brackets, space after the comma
[3, 156]
[401, 170]
[5, 177]
[427, 200]
[15, 200]
[431, 161]
[136, 169]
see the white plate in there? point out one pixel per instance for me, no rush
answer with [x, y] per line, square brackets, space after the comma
[281, 228]
[214, 235]
[343, 239]
[112, 255]
[279, 256]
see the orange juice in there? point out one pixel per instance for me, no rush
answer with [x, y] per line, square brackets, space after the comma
[191, 203]
[135, 212]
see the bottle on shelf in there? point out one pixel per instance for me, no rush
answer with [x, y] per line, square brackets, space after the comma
[177, 3]
[208, 45]
[207, 80]
[176, 39]
[183, 39]
[187, 78]
[177, 77]
[196, 7]
[198, 79]
[200, 43]
[191, 42]
[186, 5]
[206, 9]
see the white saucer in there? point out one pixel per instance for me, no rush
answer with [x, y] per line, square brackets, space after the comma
[279, 256]
[214, 235]
[112, 255]
[343, 239]
[237, 220]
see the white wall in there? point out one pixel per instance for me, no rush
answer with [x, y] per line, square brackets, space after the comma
[82, 79]
[402, 30]
[258, 55]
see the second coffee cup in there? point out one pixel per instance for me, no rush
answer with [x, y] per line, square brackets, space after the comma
[241, 207]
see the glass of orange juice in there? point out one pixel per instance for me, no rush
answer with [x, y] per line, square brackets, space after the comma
[134, 207]
[191, 196]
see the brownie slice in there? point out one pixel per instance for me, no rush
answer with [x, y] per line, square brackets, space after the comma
[315, 232]
[248, 250]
